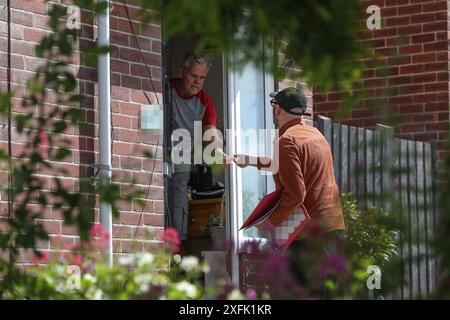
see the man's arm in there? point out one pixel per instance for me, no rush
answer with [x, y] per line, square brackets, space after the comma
[260, 162]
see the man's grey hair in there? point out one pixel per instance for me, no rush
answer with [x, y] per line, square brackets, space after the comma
[193, 57]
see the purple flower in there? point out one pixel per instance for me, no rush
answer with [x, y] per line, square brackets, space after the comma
[333, 262]
[251, 294]
[275, 265]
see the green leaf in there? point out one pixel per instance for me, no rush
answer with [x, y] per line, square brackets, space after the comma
[62, 153]
[60, 126]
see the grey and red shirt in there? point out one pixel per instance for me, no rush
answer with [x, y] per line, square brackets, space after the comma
[186, 110]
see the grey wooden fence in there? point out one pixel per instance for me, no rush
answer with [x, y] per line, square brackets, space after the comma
[397, 175]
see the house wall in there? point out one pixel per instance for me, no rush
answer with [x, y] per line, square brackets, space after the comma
[129, 83]
[413, 43]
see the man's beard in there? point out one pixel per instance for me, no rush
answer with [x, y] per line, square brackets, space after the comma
[274, 118]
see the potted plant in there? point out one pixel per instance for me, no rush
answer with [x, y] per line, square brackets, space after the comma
[216, 230]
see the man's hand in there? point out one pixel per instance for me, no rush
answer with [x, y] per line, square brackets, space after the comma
[244, 160]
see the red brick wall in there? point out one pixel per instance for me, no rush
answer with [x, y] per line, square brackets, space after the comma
[413, 43]
[129, 80]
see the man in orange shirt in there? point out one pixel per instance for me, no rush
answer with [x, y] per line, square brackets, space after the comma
[304, 171]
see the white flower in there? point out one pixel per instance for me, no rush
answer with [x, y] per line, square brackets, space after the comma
[177, 258]
[126, 260]
[98, 294]
[235, 295]
[189, 263]
[144, 259]
[89, 278]
[188, 288]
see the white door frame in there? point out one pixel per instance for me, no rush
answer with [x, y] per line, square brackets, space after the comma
[232, 121]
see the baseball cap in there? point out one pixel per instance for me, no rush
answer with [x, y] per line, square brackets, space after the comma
[291, 98]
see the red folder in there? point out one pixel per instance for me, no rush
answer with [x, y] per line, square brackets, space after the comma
[289, 229]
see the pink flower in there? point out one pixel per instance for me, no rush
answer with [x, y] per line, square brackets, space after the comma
[170, 237]
[77, 260]
[42, 140]
[40, 257]
[99, 236]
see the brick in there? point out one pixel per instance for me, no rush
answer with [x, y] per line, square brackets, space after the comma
[428, 97]
[119, 93]
[434, 6]
[408, 10]
[156, 220]
[409, 30]
[36, 6]
[122, 232]
[121, 148]
[129, 55]
[399, 60]
[130, 163]
[413, 68]
[416, 48]
[131, 82]
[412, 128]
[131, 218]
[425, 57]
[424, 17]
[144, 44]
[51, 226]
[152, 31]
[437, 26]
[22, 18]
[120, 38]
[120, 66]
[429, 37]
[139, 70]
[401, 100]
[436, 66]
[436, 106]
[436, 46]
[397, 21]
[400, 80]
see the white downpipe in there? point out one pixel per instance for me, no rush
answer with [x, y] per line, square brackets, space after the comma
[104, 95]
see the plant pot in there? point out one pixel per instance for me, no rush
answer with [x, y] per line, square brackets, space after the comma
[218, 237]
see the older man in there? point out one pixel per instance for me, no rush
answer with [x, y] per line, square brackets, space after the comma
[190, 104]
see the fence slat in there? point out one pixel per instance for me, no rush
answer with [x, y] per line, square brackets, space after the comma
[414, 218]
[421, 215]
[406, 221]
[325, 126]
[397, 201]
[362, 169]
[345, 159]
[434, 164]
[370, 165]
[337, 158]
[353, 171]
[377, 189]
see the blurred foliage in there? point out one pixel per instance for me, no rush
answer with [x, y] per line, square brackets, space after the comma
[372, 238]
[371, 234]
[48, 109]
[84, 275]
[320, 36]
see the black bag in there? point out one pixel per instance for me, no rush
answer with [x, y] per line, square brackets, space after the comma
[201, 177]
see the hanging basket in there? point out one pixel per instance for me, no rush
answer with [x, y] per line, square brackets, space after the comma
[218, 238]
